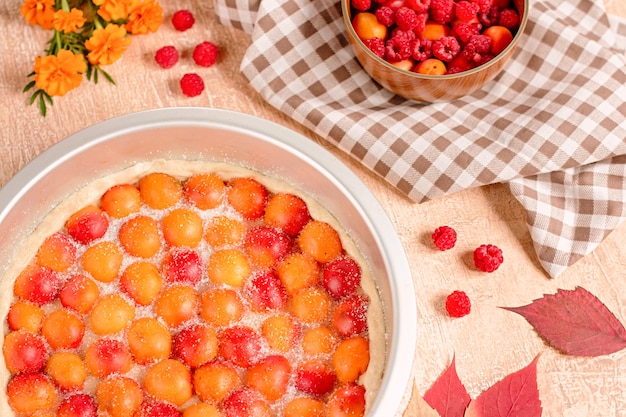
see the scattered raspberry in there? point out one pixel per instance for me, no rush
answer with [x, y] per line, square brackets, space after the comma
[377, 46]
[477, 48]
[192, 85]
[420, 6]
[466, 11]
[458, 304]
[446, 48]
[385, 15]
[205, 54]
[166, 56]
[444, 237]
[488, 258]
[509, 19]
[441, 11]
[397, 49]
[406, 18]
[182, 20]
[361, 5]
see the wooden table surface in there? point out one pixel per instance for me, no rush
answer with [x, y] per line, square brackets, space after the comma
[488, 344]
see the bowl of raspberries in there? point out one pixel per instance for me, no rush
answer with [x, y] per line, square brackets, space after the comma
[434, 50]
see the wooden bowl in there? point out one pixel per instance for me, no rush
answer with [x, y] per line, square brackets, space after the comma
[430, 88]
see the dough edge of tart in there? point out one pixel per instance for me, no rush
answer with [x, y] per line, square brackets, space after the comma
[55, 220]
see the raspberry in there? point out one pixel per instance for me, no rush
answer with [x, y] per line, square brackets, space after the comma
[464, 30]
[466, 11]
[446, 48]
[483, 5]
[406, 18]
[421, 49]
[361, 5]
[488, 258]
[182, 20]
[394, 4]
[477, 48]
[166, 56]
[192, 85]
[385, 16]
[509, 19]
[441, 11]
[459, 64]
[458, 304]
[490, 17]
[397, 49]
[205, 54]
[408, 35]
[444, 237]
[377, 46]
[420, 6]
[422, 18]
[484, 59]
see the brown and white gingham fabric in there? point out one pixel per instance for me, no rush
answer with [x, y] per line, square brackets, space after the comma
[552, 125]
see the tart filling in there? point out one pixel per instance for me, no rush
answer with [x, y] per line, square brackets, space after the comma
[187, 288]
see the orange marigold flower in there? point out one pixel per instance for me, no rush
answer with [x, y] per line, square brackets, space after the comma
[111, 10]
[68, 21]
[144, 16]
[107, 45]
[58, 74]
[38, 12]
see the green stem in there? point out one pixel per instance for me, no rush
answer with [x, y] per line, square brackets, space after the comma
[57, 42]
[97, 22]
[93, 11]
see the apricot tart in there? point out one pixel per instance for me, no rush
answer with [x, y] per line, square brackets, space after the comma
[180, 288]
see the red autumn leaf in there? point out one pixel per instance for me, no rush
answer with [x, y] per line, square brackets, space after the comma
[575, 322]
[514, 396]
[448, 395]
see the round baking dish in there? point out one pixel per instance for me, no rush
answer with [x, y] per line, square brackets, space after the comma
[238, 139]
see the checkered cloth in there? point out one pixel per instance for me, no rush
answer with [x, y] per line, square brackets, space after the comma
[552, 125]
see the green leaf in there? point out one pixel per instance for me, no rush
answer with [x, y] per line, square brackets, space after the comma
[33, 98]
[29, 86]
[42, 105]
[42, 97]
[108, 77]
